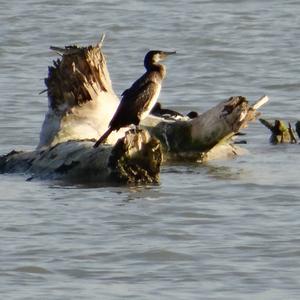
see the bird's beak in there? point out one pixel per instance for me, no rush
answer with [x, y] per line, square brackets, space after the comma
[169, 53]
[165, 54]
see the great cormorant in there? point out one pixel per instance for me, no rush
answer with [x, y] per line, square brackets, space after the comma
[140, 98]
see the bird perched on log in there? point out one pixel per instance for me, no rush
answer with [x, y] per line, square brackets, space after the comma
[157, 110]
[140, 98]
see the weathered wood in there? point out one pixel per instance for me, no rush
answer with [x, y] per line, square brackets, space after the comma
[135, 158]
[81, 97]
[280, 132]
[191, 139]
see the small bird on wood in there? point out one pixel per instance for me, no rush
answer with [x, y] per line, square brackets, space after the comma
[140, 98]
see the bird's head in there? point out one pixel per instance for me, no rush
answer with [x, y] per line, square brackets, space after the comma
[154, 56]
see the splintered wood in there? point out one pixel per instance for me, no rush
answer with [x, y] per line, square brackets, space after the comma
[79, 76]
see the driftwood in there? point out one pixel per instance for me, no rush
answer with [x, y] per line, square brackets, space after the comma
[196, 139]
[81, 104]
[135, 158]
[280, 132]
[80, 94]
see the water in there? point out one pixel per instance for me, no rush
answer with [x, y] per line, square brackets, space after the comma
[224, 230]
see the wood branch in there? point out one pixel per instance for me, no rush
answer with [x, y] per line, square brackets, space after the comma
[99, 45]
[260, 102]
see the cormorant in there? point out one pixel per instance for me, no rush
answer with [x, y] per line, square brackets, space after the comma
[140, 98]
[157, 110]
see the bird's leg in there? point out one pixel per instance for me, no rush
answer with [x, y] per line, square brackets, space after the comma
[137, 128]
[134, 128]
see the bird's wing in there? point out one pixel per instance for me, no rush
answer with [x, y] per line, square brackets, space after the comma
[136, 86]
[135, 101]
[138, 99]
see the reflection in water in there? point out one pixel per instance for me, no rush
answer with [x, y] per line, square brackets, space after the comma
[226, 172]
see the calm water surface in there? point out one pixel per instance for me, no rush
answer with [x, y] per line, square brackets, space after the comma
[225, 230]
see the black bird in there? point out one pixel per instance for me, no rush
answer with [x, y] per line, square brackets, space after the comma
[157, 110]
[140, 98]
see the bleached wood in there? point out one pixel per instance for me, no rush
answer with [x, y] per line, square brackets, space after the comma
[135, 158]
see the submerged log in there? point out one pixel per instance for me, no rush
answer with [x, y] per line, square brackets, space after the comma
[136, 158]
[280, 132]
[81, 105]
[193, 139]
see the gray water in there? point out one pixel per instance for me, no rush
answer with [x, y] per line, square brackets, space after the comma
[223, 230]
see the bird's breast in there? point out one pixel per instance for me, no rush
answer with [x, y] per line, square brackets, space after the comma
[151, 103]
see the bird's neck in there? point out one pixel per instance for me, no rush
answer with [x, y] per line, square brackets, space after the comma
[157, 68]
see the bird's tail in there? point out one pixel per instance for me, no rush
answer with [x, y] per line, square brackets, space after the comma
[103, 137]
